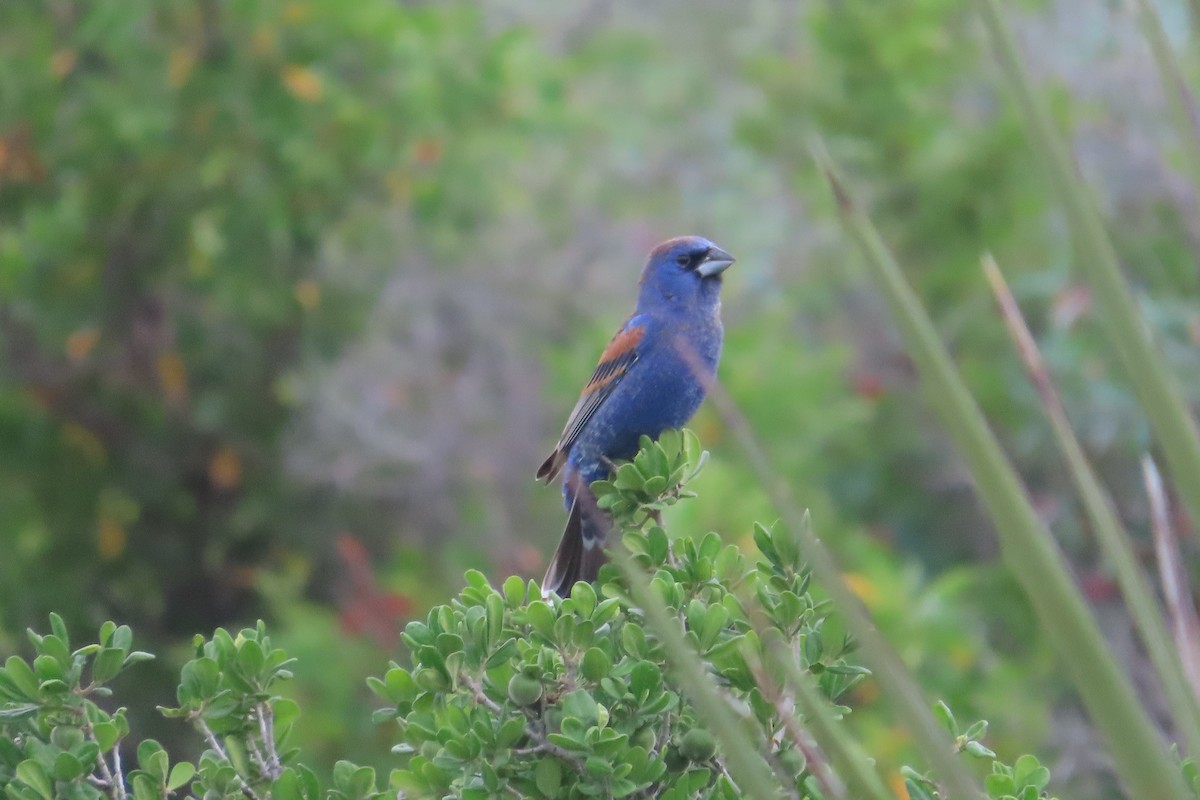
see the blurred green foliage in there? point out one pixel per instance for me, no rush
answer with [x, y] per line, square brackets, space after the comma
[173, 178]
[177, 183]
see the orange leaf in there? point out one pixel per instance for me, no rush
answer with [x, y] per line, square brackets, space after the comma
[262, 41]
[862, 587]
[399, 185]
[62, 62]
[111, 539]
[172, 377]
[19, 161]
[308, 294]
[961, 656]
[866, 693]
[295, 13]
[225, 468]
[302, 82]
[81, 342]
[180, 66]
[427, 151]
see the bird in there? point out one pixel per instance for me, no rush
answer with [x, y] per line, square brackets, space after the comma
[652, 376]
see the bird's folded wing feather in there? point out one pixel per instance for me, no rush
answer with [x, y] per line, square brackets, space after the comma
[620, 354]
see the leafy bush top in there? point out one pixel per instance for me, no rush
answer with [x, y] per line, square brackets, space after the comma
[506, 692]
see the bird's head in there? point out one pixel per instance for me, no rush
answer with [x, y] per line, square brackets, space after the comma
[683, 273]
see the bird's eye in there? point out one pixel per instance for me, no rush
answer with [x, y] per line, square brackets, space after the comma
[683, 259]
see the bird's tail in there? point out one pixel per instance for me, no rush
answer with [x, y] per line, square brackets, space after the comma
[580, 554]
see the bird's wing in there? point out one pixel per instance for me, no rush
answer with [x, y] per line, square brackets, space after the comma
[620, 354]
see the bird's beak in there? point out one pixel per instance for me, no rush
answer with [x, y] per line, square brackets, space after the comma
[716, 262]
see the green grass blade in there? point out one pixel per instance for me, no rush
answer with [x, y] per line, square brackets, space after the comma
[1173, 576]
[895, 680]
[1138, 751]
[795, 728]
[1153, 384]
[851, 763]
[1115, 541]
[752, 774]
[1179, 97]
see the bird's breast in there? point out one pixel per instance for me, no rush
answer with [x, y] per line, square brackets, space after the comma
[662, 390]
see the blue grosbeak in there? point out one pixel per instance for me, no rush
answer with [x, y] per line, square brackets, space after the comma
[652, 376]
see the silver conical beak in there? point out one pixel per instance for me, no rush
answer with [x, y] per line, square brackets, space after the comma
[716, 262]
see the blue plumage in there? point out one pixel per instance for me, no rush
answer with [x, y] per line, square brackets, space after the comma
[652, 376]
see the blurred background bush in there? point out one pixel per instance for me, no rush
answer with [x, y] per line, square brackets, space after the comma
[295, 295]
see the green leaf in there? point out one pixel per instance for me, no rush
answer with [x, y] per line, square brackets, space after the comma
[502, 654]
[87, 753]
[362, 783]
[31, 773]
[671, 441]
[691, 445]
[288, 787]
[999, 785]
[145, 787]
[645, 678]
[628, 478]
[106, 735]
[47, 668]
[697, 778]
[199, 680]
[655, 485]
[917, 791]
[541, 619]
[153, 759]
[582, 706]
[107, 664]
[67, 767]
[595, 664]
[59, 628]
[180, 774]
[400, 686]
[1028, 772]
[477, 579]
[657, 545]
[57, 649]
[250, 659]
[122, 637]
[495, 618]
[285, 711]
[946, 717]
[9, 689]
[235, 748]
[548, 776]
[977, 750]
[343, 775]
[510, 732]
[514, 591]
[136, 657]
[716, 617]
[584, 598]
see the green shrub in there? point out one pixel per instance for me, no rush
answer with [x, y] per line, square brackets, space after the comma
[505, 692]
[576, 698]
